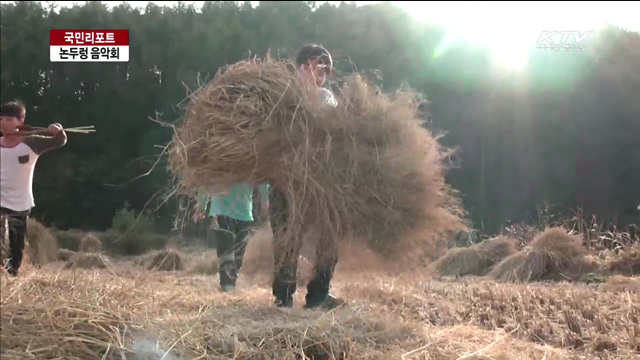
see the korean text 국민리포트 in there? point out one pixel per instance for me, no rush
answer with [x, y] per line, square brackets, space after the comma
[89, 45]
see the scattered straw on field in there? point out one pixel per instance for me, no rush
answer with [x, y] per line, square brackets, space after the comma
[477, 259]
[554, 254]
[90, 243]
[623, 284]
[52, 314]
[82, 260]
[562, 316]
[41, 243]
[166, 260]
[366, 168]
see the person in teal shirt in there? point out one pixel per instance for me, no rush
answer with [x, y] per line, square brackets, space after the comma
[233, 214]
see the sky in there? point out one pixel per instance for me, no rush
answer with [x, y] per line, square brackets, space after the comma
[509, 29]
[505, 16]
[494, 21]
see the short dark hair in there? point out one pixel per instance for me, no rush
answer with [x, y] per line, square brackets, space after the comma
[14, 108]
[310, 52]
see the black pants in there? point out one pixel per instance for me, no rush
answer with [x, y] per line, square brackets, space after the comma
[16, 223]
[285, 256]
[231, 243]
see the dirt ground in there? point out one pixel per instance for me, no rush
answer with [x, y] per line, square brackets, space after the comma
[127, 312]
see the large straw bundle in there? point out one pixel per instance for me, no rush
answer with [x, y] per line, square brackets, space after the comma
[65, 254]
[627, 262]
[166, 260]
[477, 259]
[82, 260]
[366, 168]
[90, 244]
[554, 254]
[42, 246]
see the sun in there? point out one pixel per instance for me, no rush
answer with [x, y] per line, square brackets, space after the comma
[510, 31]
[508, 49]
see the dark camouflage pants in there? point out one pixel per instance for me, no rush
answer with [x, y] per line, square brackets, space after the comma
[14, 223]
[231, 243]
[286, 253]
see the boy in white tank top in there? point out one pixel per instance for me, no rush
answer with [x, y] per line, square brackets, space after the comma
[18, 156]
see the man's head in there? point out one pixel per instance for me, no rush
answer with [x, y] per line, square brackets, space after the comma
[12, 116]
[315, 63]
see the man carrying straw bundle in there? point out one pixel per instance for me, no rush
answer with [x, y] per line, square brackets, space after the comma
[233, 215]
[365, 169]
[314, 64]
[19, 155]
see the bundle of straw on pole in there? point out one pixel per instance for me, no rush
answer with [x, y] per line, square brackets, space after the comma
[366, 168]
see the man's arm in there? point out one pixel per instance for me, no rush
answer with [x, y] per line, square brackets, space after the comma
[41, 144]
[200, 207]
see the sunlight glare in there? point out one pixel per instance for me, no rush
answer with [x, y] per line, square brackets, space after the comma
[510, 30]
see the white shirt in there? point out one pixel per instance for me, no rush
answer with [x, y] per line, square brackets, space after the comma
[16, 177]
[328, 97]
[17, 165]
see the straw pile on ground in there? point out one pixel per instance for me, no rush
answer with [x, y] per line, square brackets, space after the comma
[554, 254]
[166, 260]
[627, 262]
[65, 254]
[477, 259]
[90, 243]
[41, 243]
[41, 247]
[366, 168]
[82, 260]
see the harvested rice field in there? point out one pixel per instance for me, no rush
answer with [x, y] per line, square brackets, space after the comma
[126, 310]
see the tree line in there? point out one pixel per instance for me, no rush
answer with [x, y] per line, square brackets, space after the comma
[564, 132]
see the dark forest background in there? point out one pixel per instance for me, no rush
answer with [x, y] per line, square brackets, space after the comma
[566, 132]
